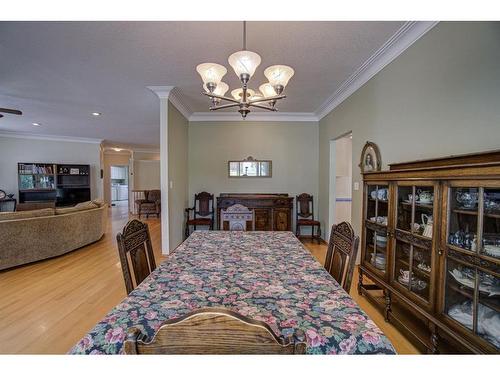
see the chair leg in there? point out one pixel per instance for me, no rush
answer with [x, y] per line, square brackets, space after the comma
[186, 232]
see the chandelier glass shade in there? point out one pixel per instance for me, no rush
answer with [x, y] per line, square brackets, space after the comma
[238, 93]
[220, 89]
[211, 72]
[267, 90]
[244, 64]
[279, 75]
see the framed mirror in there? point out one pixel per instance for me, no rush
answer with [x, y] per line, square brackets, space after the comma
[249, 167]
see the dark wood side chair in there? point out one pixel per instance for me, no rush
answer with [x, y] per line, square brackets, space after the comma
[151, 205]
[203, 212]
[213, 331]
[304, 216]
[134, 243]
[341, 255]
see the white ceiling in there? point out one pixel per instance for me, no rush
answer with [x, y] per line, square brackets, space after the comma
[57, 73]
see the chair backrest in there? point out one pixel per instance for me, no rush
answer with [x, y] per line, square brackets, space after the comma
[154, 195]
[304, 205]
[213, 331]
[341, 254]
[134, 248]
[203, 204]
[237, 216]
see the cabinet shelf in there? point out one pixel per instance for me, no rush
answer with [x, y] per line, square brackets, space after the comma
[420, 205]
[416, 270]
[492, 215]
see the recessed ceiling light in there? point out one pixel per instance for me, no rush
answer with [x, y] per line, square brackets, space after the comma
[35, 124]
[96, 113]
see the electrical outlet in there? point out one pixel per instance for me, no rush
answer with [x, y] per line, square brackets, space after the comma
[356, 185]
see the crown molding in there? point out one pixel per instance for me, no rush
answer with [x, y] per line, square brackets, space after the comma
[176, 99]
[163, 92]
[62, 138]
[254, 116]
[406, 35]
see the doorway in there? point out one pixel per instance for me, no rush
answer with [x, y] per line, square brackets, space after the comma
[119, 185]
[340, 195]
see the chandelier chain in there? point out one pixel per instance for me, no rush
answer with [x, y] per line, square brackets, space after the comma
[244, 35]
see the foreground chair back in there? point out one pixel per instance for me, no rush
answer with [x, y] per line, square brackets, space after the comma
[341, 254]
[136, 252]
[213, 331]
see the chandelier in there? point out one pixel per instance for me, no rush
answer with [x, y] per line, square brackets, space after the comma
[244, 64]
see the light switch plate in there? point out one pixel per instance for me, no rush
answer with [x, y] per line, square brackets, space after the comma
[171, 184]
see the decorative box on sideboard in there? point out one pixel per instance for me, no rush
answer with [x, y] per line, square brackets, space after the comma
[430, 256]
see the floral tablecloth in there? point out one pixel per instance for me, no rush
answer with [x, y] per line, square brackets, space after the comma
[267, 276]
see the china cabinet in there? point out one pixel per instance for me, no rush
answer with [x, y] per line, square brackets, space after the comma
[430, 255]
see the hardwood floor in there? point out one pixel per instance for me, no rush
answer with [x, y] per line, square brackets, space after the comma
[46, 307]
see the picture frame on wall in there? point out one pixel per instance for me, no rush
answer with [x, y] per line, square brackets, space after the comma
[370, 158]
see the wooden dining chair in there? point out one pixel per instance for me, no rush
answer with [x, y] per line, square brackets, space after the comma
[213, 331]
[203, 212]
[304, 216]
[135, 250]
[341, 254]
[151, 205]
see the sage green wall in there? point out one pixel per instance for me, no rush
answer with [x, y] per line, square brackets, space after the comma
[177, 174]
[440, 97]
[292, 147]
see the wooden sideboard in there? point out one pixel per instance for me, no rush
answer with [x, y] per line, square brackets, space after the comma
[271, 211]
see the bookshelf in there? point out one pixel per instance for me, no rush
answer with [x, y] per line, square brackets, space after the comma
[65, 184]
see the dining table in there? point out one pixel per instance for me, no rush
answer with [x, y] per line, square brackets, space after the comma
[267, 276]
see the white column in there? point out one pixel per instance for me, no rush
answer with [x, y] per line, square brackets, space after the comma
[163, 93]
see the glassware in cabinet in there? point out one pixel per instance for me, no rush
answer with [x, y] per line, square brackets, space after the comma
[376, 238]
[491, 223]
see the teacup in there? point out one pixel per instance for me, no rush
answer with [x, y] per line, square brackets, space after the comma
[416, 227]
[425, 196]
[405, 275]
[411, 196]
[382, 194]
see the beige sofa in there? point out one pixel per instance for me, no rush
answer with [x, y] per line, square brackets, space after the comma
[29, 236]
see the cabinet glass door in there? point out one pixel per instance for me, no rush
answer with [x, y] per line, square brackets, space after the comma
[491, 223]
[472, 289]
[377, 209]
[463, 215]
[413, 244]
[473, 299]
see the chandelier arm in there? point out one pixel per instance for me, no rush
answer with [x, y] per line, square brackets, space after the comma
[214, 108]
[221, 97]
[272, 109]
[268, 99]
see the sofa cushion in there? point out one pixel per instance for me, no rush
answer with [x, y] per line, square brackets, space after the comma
[98, 202]
[26, 214]
[79, 207]
[87, 205]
